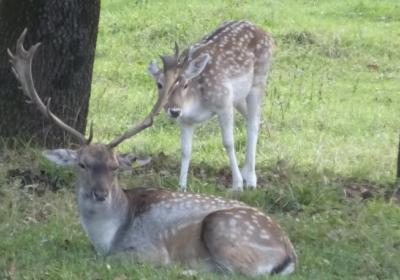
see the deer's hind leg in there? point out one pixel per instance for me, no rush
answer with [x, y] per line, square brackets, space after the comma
[254, 107]
[237, 245]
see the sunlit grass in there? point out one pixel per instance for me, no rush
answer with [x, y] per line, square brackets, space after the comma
[330, 125]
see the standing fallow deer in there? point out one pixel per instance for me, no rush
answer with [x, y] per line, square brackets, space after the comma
[227, 69]
[154, 224]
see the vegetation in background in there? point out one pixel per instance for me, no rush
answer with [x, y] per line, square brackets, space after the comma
[326, 158]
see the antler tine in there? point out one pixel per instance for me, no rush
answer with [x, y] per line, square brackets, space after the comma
[147, 122]
[21, 63]
[90, 134]
[66, 127]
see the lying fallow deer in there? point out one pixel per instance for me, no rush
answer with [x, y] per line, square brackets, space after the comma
[225, 70]
[154, 224]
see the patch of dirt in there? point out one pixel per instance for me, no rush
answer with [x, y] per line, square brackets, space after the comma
[373, 67]
[282, 173]
[365, 190]
[35, 181]
[393, 195]
[159, 163]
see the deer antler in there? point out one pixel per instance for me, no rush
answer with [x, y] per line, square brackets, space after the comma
[22, 68]
[147, 122]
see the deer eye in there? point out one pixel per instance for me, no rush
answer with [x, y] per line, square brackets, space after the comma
[114, 167]
[185, 85]
[82, 165]
[159, 85]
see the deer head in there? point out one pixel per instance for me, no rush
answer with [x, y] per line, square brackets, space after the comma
[96, 166]
[172, 81]
[97, 163]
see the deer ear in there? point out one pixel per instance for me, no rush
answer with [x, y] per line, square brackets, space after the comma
[196, 66]
[64, 157]
[154, 70]
[127, 160]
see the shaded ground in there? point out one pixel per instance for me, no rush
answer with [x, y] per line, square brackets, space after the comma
[281, 176]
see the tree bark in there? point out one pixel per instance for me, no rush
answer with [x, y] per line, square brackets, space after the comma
[62, 68]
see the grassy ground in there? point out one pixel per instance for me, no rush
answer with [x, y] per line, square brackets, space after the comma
[326, 155]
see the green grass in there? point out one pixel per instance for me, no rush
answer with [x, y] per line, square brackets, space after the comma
[330, 131]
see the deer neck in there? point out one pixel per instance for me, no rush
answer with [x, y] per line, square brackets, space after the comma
[102, 220]
[195, 108]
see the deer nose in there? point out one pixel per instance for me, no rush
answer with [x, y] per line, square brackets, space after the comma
[100, 195]
[174, 112]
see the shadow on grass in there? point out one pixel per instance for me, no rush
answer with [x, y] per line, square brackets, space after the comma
[281, 187]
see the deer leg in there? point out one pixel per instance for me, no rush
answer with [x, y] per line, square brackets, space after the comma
[253, 101]
[186, 152]
[226, 122]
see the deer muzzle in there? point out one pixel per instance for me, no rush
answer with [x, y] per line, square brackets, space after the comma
[174, 112]
[99, 194]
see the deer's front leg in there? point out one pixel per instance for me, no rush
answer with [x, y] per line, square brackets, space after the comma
[226, 122]
[186, 152]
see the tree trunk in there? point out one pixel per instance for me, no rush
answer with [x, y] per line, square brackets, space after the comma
[62, 68]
